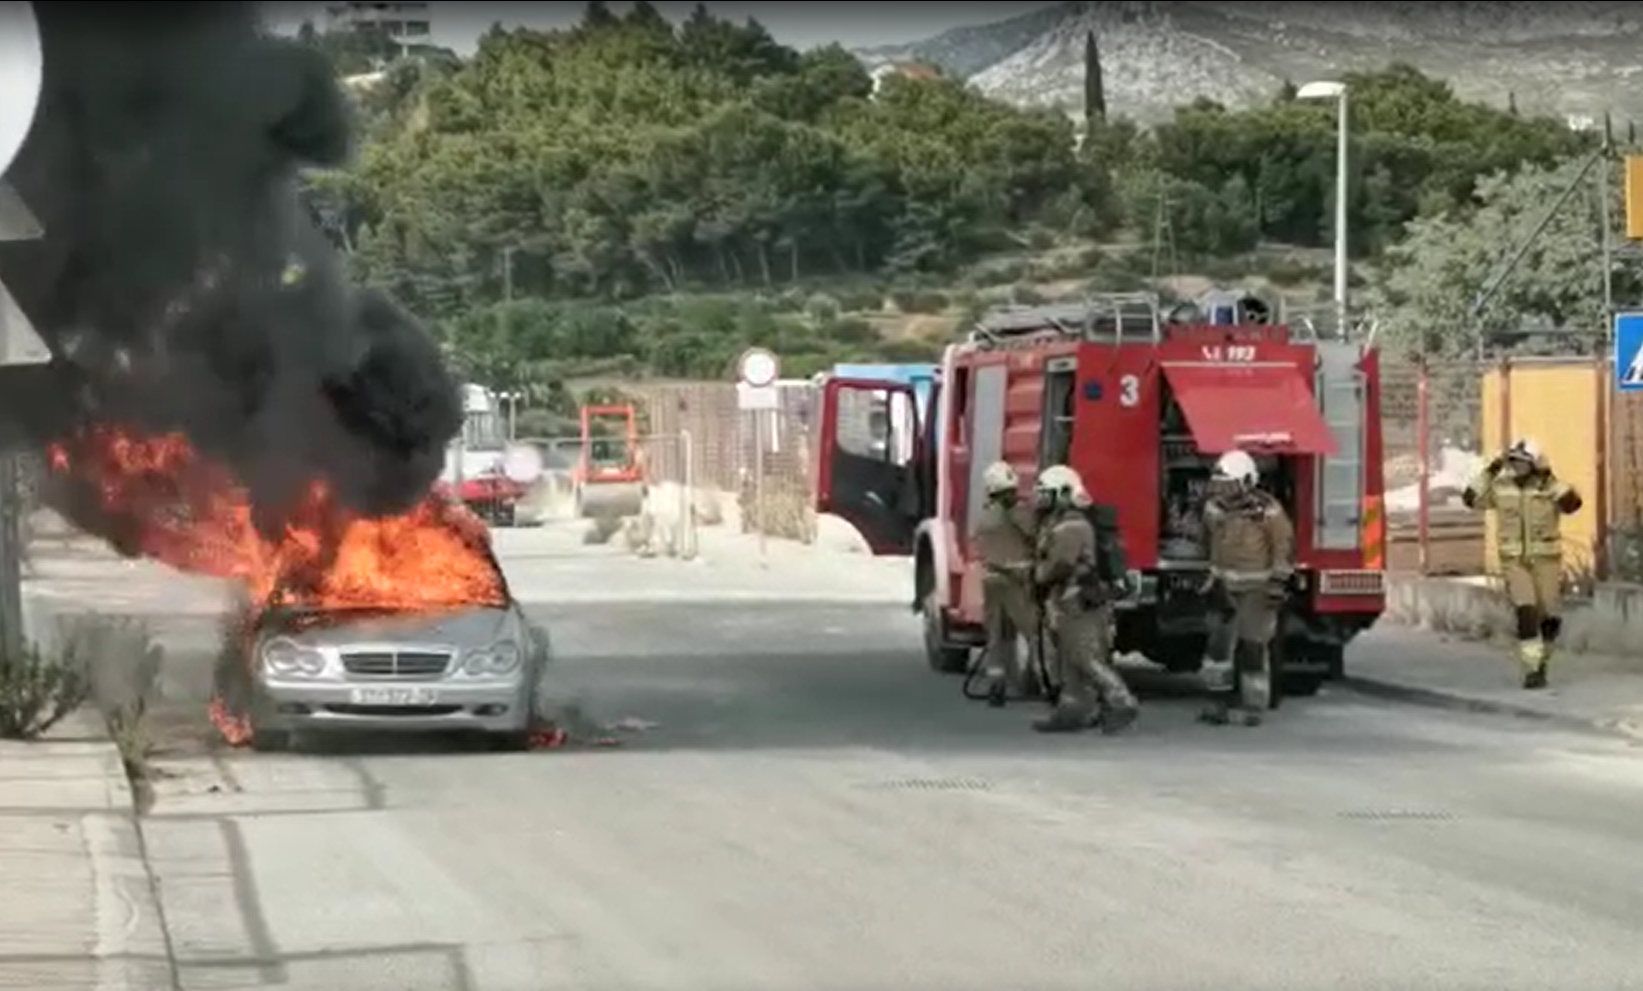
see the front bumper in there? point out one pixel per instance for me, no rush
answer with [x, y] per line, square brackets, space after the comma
[411, 706]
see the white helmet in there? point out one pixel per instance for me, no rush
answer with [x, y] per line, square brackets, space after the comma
[1061, 483]
[1237, 466]
[999, 478]
[1524, 449]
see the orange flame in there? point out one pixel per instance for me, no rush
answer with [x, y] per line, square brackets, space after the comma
[235, 729]
[180, 508]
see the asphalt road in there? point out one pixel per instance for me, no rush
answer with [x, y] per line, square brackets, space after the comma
[813, 810]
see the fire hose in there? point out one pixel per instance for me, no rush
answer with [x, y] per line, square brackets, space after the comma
[997, 694]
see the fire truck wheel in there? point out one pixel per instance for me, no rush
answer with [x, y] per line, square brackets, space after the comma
[940, 653]
[1301, 685]
[1179, 654]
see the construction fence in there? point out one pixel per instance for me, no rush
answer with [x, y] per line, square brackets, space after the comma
[750, 469]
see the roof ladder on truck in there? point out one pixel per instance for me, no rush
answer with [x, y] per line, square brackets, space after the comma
[1103, 316]
[1341, 389]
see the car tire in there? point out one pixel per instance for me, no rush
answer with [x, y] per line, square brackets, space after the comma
[514, 742]
[270, 741]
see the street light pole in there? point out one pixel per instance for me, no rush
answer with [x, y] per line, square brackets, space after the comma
[1337, 91]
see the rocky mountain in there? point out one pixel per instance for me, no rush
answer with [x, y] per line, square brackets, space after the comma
[1580, 59]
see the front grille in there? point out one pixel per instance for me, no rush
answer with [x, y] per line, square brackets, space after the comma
[396, 664]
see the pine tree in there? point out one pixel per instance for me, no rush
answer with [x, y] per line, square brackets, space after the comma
[1095, 94]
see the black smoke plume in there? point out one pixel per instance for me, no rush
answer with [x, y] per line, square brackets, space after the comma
[180, 282]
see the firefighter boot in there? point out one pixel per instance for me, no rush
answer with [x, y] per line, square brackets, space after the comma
[1254, 682]
[998, 693]
[1116, 719]
[1070, 715]
[1533, 654]
[1216, 712]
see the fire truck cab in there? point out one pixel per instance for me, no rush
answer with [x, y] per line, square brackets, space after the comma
[1140, 401]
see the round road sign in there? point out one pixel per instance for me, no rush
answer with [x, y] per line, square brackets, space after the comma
[21, 66]
[758, 368]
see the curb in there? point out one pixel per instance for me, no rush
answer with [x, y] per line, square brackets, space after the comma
[1456, 702]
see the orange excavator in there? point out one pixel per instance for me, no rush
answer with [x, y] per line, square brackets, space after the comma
[610, 471]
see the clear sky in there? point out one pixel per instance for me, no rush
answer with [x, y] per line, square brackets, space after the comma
[799, 23]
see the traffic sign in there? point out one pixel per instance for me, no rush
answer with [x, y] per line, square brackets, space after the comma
[20, 344]
[1628, 352]
[758, 397]
[22, 62]
[758, 367]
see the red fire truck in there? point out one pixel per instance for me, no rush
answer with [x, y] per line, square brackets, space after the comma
[1141, 401]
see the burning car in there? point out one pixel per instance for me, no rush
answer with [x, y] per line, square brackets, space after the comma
[473, 668]
[343, 621]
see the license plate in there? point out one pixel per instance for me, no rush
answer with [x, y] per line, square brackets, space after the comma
[394, 696]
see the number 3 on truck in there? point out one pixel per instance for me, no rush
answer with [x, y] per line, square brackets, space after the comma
[1129, 390]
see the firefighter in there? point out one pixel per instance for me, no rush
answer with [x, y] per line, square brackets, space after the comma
[1528, 501]
[1252, 565]
[1005, 538]
[1077, 610]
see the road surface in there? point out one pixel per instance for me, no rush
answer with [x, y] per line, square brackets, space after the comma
[813, 810]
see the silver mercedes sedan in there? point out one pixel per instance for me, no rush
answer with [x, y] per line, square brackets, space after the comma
[473, 669]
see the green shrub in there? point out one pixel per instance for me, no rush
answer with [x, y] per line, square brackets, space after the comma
[1022, 294]
[821, 307]
[37, 690]
[919, 300]
[849, 330]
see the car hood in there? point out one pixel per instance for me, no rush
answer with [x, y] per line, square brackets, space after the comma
[460, 628]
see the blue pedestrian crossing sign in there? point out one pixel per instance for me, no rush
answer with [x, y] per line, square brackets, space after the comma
[1628, 352]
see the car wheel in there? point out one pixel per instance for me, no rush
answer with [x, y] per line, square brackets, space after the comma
[270, 741]
[514, 742]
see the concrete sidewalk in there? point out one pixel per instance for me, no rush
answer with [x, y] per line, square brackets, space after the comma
[79, 912]
[1588, 691]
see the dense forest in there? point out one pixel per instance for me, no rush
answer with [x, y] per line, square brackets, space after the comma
[640, 197]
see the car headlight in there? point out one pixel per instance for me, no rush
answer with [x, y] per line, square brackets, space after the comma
[284, 656]
[498, 659]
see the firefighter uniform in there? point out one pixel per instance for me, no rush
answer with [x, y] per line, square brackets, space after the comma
[1005, 539]
[1529, 502]
[1077, 611]
[1252, 563]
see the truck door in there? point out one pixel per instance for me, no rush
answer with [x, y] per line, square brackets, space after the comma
[867, 470]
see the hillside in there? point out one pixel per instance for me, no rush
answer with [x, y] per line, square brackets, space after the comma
[1577, 59]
